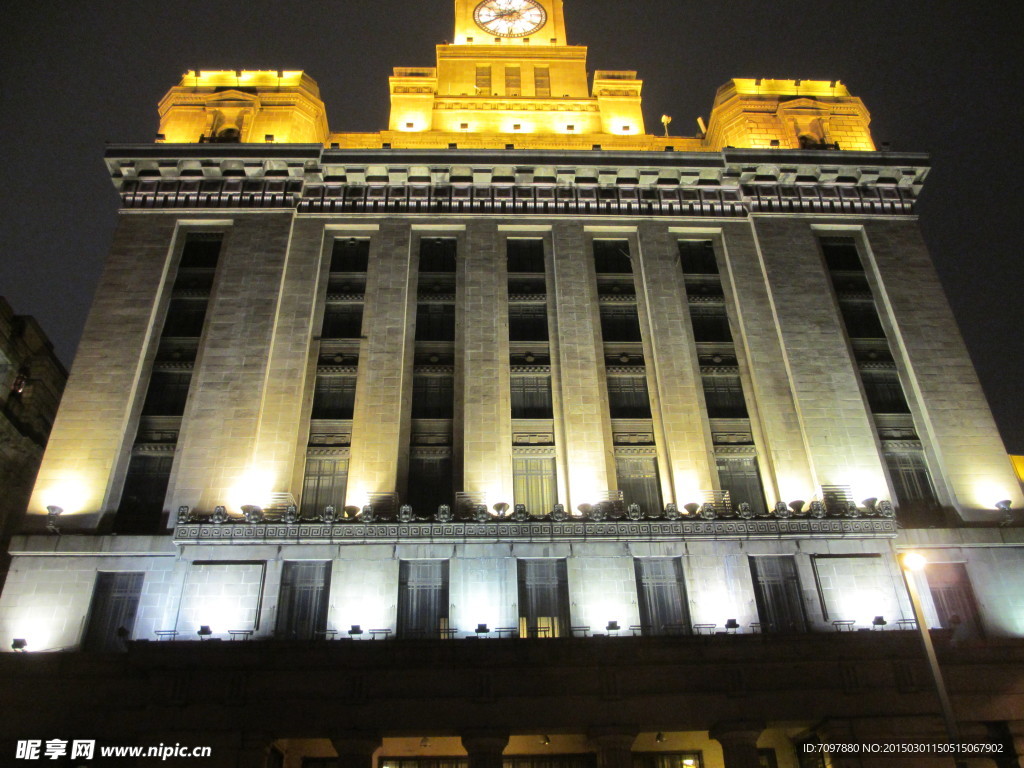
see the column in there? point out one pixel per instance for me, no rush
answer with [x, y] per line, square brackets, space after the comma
[739, 742]
[355, 748]
[484, 748]
[614, 746]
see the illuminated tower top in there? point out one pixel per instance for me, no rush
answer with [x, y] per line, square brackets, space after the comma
[510, 22]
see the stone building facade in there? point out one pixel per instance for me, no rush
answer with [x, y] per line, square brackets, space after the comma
[515, 429]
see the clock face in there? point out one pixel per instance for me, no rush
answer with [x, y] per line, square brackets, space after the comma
[510, 18]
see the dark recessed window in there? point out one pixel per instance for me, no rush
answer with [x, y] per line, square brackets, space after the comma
[531, 397]
[525, 255]
[698, 257]
[612, 257]
[350, 255]
[437, 254]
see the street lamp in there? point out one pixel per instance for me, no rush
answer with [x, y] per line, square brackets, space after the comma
[915, 561]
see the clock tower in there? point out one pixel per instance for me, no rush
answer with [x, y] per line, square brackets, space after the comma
[523, 22]
[510, 79]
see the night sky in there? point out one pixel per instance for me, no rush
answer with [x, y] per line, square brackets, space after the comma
[938, 77]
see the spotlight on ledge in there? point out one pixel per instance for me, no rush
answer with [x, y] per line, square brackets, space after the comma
[1004, 507]
[731, 626]
[424, 742]
[53, 512]
[613, 626]
[482, 629]
[878, 623]
[545, 740]
[19, 644]
[204, 631]
[913, 561]
[355, 631]
[660, 738]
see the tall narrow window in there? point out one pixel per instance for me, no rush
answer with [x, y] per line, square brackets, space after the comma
[201, 250]
[739, 475]
[883, 390]
[777, 592]
[525, 255]
[724, 397]
[435, 322]
[483, 79]
[185, 317]
[612, 257]
[432, 396]
[620, 322]
[698, 257]
[543, 598]
[167, 393]
[423, 598]
[531, 397]
[324, 484]
[662, 596]
[350, 255]
[953, 597]
[527, 322]
[911, 481]
[142, 500]
[343, 321]
[437, 254]
[710, 323]
[334, 397]
[513, 81]
[542, 82]
[115, 603]
[430, 482]
[861, 319]
[533, 484]
[628, 397]
[303, 600]
[638, 481]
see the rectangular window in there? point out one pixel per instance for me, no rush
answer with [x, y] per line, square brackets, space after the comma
[841, 254]
[142, 499]
[611, 257]
[777, 592]
[430, 483]
[435, 322]
[861, 319]
[185, 318]
[324, 484]
[527, 322]
[543, 598]
[303, 600]
[343, 321]
[525, 255]
[437, 254]
[724, 397]
[912, 483]
[423, 598]
[201, 251]
[115, 603]
[638, 481]
[542, 82]
[620, 322]
[884, 392]
[334, 397]
[433, 397]
[167, 394]
[698, 257]
[740, 476]
[483, 79]
[664, 609]
[953, 598]
[710, 323]
[534, 484]
[628, 397]
[531, 397]
[513, 81]
[350, 255]
[668, 760]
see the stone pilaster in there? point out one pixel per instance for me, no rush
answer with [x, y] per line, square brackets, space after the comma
[482, 364]
[384, 384]
[586, 430]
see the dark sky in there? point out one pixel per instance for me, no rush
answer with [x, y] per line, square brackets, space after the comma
[938, 77]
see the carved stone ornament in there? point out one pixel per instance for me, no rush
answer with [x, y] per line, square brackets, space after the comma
[330, 515]
[558, 513]
[253, 514]
[782, 510]
[443, 514]
[480, 513]
[367, 515]
[851, 509]
[885, 509]
[817, 509]
[598, 513]
[220, 515]
[519, 514]
[633, 512]
[672, 512]
[405, 514]
[184, 515]
[291, 514]
[708, 511]
[744, 510]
